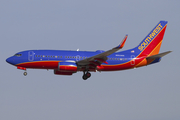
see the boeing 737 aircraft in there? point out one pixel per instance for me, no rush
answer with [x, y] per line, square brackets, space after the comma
[69, 62]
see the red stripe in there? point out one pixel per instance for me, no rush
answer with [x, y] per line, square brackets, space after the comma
[40, 65]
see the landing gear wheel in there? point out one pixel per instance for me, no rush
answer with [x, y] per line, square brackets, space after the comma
[86, 76]
[25, 73]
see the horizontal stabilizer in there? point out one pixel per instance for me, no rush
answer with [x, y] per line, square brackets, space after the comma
[158, 55]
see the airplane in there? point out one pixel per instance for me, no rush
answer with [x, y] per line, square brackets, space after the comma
[65, 62]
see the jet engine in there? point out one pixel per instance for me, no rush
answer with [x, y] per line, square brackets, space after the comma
[66, 68]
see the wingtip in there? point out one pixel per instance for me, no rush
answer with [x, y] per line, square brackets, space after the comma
[121, 45]
[123, 41]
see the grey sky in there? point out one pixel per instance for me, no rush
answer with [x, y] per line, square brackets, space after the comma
[145, 93]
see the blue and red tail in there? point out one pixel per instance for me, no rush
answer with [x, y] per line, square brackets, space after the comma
[152, 42]
[147, 51]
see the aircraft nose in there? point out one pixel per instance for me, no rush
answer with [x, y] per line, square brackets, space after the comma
[9, 60]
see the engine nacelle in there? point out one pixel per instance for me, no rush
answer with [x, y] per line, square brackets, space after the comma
[66, 68]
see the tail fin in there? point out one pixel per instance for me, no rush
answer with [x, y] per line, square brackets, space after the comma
[152, 42]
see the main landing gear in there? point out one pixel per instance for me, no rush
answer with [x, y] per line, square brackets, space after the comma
[86, 75]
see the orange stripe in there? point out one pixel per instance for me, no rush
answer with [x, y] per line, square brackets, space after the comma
[156, 49]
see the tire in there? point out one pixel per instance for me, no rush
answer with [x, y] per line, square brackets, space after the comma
[25, 73]
[84, 77]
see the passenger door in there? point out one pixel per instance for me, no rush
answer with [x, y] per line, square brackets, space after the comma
[30, 55]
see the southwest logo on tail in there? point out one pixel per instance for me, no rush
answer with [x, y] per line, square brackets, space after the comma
[69, 62]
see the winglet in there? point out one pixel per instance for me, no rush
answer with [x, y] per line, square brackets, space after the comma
[121, 45]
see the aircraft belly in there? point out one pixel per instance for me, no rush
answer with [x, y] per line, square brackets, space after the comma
[40, 64]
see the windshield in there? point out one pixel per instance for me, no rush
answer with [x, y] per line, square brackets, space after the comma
[18, 55]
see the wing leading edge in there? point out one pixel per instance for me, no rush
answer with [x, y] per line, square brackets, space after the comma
[98, 59]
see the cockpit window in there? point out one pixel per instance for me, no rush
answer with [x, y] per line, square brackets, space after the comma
[18, 55]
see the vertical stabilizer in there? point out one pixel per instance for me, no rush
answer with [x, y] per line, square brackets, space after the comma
[152, 42]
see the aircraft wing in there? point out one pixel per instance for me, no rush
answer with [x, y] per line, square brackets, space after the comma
[98, 59]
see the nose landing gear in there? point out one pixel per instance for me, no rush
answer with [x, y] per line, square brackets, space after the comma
[25, 73]
[22, 68]
[86, 75]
